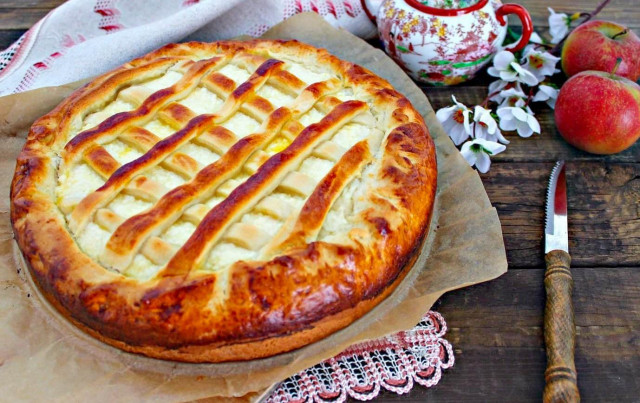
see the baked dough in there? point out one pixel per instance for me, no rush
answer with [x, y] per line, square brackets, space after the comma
[224, 201]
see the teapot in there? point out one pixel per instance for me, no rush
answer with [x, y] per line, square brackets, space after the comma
[446, 42]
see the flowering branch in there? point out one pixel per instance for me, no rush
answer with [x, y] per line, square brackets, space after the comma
[522, 79]
[556, 49]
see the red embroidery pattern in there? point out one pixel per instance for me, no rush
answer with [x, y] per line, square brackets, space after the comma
[395, 363]
[35, 70]
[110, 16]
[337, 9]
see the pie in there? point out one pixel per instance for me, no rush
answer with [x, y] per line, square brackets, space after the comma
[224, 201]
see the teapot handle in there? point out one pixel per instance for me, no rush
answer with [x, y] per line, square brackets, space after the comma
[367, 11]
[525, 18]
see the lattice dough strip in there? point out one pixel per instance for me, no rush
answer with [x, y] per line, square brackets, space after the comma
[313, 213]
[195, 251]
[101, 161]
[212, 177]
[68, 203]
[154, 248]
[178, 162]
[115, 257]
[319, 176]
[83, 212]
[177, 116]
[108, 130]
[124, 243]
[94, 100]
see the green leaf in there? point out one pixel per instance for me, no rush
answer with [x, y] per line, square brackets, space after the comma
[402, 49]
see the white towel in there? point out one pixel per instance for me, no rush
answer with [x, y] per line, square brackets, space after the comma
[83, 38]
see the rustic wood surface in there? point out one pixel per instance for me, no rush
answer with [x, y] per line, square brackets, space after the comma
[496, 327]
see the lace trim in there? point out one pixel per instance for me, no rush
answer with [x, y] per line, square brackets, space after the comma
[395, 363]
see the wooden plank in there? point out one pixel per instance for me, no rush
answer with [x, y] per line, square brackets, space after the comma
[7, 37]
[604, 211]
[603, 297]
[624, 12]
[548, 146]
[516, 375]
[496, 332]
[48, 4]
[19, 18]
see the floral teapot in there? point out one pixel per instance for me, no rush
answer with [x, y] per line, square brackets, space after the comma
[445, 42]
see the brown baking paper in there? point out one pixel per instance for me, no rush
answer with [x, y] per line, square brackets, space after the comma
[43, 357]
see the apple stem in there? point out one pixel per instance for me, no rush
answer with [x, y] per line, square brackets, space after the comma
[623, 32]
[588, 16]
[615, 68]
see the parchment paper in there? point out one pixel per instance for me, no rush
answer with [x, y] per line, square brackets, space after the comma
[43, 357]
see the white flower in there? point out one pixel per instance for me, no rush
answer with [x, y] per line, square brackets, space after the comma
[477, 153]
[559, 24]
[506, 67]
[485, 126]
[496, 88]
[455, 121]
[547, 93]
[540, 64]
[512, 97]
[518, 118]
[535, 38]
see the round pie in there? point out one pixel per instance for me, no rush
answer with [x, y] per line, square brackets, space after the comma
[224, 201]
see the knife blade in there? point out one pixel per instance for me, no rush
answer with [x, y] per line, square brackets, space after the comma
[556, 227]
[559, 324]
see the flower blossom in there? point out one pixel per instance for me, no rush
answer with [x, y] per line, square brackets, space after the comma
[496, 89]
[547, 94]
[506, 67]
[540, 64]
[478, 151]
[519, 118]
[485, 126]
[559, 24]
[512, 97]
[535, 38]
[455, 121]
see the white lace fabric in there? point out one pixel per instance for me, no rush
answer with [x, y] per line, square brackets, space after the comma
[394, 363]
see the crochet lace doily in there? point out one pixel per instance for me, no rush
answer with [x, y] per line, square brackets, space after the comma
[395, 363]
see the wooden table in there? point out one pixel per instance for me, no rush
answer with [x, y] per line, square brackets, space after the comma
[496, 328]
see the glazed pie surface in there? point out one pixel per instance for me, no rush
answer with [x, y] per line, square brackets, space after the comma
[224, 201]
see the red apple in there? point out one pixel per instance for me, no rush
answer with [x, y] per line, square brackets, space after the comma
[599, 112]
[596, 45]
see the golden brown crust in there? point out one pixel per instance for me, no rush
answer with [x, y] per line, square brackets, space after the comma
[303, 289]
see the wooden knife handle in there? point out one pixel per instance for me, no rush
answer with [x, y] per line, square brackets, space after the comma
[559, 330]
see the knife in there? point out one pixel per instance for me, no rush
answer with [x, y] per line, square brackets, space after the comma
[559, 326]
